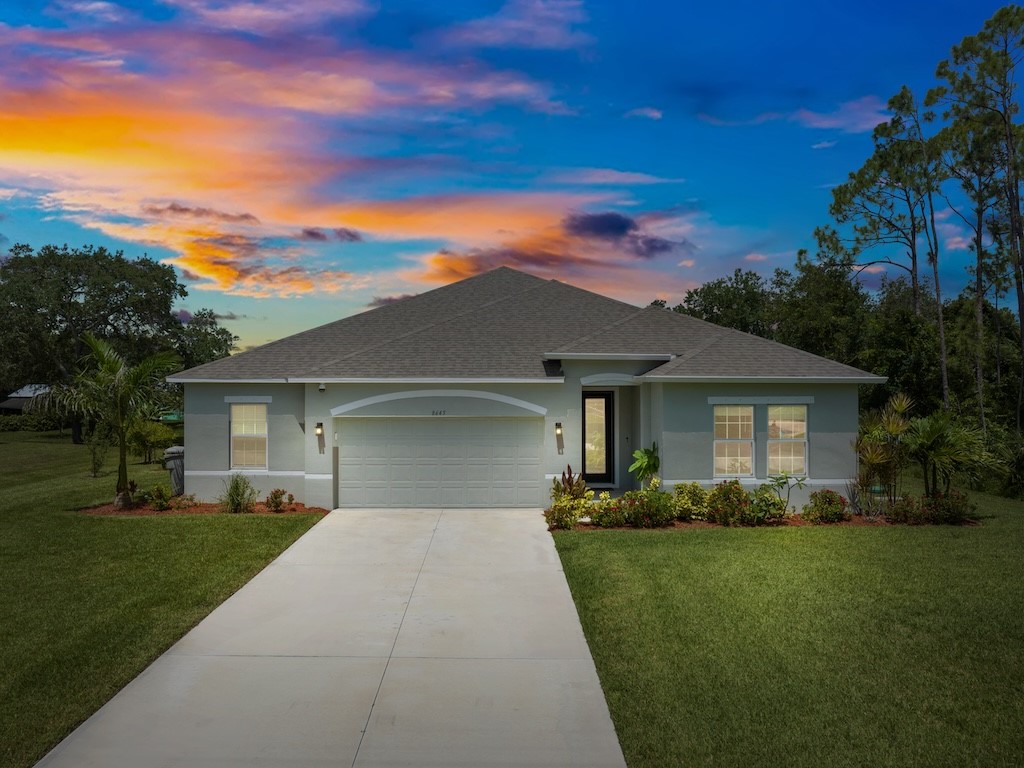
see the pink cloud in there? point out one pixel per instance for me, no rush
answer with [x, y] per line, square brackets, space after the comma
[857, 116]
[649, 112]
[545, 24]
[609, 176]
[755, 257]
[270, 15]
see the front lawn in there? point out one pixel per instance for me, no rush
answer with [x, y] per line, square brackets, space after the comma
[809, 646]
[87, 602]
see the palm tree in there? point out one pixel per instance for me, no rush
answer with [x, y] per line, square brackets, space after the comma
[114, 393]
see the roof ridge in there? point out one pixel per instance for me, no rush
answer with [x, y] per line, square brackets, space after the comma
[445, 319]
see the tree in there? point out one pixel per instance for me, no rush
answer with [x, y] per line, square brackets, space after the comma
[901, 344]
[822, 309]
[981, 86]
[742, 301]
[200, 340]
[49, 299]
[113, 392]
[969, 151]
[920, 172]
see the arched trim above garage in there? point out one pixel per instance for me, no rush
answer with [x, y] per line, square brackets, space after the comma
[439, 402]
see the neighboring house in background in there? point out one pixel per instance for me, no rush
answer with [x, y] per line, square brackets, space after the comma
[478, 393]
[16, 401]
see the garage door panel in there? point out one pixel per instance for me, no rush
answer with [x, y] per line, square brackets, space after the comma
[449, 462]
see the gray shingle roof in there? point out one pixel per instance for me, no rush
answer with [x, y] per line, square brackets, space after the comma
[501, 325]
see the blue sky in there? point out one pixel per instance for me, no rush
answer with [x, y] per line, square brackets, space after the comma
[300, 160]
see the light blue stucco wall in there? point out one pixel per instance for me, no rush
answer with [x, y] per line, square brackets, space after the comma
[685, 422]
[678, 416]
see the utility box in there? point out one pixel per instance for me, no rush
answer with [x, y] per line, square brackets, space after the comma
[174, 462]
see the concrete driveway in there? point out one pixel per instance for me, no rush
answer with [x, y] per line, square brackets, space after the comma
[380, 638]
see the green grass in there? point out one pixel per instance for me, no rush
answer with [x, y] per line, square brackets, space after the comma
[816, 646]
[87, 602]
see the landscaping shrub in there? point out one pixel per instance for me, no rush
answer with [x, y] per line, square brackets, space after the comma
[145, 438]
[239, 495]
[275, 500]
[690, 502]
[186, 501]
[953, 508]
[566, 512]
[649, 508]
[907, 510]
[729, 503]
[825, 506]
[608, 512]
[160, 498]
[766, 507]
[568, 485]
[570, 500]
[29, 422]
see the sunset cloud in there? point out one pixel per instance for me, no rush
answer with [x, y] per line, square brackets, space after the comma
[524, 24]
[601, 176]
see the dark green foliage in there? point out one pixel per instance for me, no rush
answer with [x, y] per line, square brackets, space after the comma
[742, 301]
[766, 507]
[953, 508]
[29, 422]
[646, 464]
[647, 508]
[825, 506]
[239, 495]
[145, 438]
[158, 497]
[275, 500]
[729, 503]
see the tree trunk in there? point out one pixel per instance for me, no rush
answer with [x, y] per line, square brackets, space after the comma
[123, 498]
[979, 315]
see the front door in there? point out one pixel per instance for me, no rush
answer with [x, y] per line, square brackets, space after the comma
[598, 437]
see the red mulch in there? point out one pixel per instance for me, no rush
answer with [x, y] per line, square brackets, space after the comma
[855, 520]
[144, 510]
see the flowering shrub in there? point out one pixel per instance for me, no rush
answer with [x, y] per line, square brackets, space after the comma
[608, 512]
[953, 508]
[647, 509]
[690, 502]
[825, 506]
[728, 503]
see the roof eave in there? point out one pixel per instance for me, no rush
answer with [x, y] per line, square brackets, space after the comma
[374, 380]
[865, 379]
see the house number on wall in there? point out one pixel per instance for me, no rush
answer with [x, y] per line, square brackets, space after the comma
[438, 413]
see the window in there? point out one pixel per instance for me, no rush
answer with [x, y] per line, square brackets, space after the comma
[787, 439]
[248, 436]
[734, 440]
[598, 437]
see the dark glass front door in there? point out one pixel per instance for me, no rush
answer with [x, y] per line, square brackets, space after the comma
[598, 437]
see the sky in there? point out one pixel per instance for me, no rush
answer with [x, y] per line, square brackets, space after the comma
[298, 161]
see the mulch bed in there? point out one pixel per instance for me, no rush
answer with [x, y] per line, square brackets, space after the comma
[144, 510]
[856, 520]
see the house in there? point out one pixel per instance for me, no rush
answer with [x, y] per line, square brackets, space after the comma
[477, 394]
[18, 400]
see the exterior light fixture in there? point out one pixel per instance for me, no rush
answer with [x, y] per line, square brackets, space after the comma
[559, 442]
[319, 428]
[558, 429]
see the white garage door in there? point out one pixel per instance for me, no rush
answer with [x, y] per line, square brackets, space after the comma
[440, 462]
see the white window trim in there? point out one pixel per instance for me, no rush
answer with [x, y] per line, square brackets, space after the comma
[266, 437]
[804, 440]
[749, 441]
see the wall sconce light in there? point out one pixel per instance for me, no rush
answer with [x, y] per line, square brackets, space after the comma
[559, 443]
[322, 387]
[558, 429]
[319, 428]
